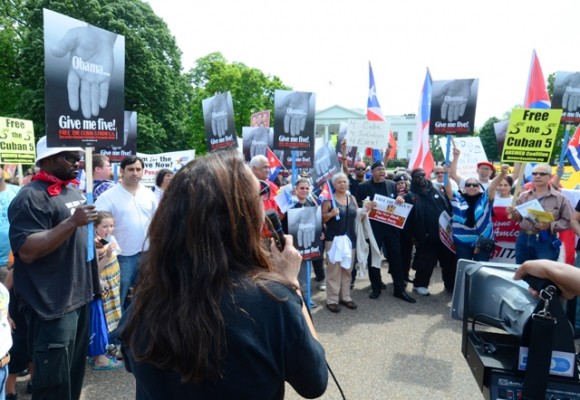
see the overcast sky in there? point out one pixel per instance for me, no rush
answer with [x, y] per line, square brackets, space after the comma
[324, 46]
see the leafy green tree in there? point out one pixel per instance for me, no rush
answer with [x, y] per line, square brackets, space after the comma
[154, 84]
[251, 91]
[488, 140]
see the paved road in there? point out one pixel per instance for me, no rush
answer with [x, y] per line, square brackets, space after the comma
[385, 350]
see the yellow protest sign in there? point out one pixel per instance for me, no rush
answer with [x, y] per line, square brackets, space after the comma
[16, 141]
[531, 135]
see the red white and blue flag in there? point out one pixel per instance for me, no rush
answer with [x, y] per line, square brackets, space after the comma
[573, 152]
[275, 164]
[421, 156]
[536, 92]
[374, 113]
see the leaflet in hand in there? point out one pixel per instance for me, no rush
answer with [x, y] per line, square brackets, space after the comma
[530, 205]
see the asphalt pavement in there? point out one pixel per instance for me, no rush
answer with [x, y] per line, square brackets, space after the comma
[386, 349]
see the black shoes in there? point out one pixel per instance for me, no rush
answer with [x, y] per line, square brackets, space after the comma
[383, 286]
[404, 296]
[374, 295]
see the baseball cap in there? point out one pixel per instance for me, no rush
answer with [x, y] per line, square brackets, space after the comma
[43, 151]
[377, 164]
[485, 163]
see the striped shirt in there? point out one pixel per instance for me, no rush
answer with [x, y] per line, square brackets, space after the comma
[483, 226]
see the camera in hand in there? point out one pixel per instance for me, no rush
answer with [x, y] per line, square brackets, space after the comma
[275, 227]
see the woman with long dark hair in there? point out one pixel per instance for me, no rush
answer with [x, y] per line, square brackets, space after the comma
[215, 313]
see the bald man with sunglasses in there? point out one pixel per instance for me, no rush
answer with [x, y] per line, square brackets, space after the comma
[537, 239]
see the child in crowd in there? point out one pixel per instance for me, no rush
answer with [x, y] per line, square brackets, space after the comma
[110, 275]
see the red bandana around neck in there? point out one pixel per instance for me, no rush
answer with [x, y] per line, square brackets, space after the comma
[56, 188]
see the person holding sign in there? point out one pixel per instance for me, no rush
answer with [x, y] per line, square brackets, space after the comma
[537, 238]
[424, 229]
[338, 232]
[386, 236]
[472, 226]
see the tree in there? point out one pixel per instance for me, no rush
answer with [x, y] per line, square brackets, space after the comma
[251, 91]
[488, 139]
[154, 84]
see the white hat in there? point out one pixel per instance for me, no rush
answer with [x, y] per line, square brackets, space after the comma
[43, 151]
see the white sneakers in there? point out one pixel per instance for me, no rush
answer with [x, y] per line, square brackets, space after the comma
[423, 291]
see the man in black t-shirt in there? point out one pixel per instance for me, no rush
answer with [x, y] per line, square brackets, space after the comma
[52, 277]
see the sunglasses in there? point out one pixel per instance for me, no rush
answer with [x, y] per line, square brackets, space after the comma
[419, 176]
[473, 185]
[439, 173]
[70, 158]
[360, 169]
[540, 173]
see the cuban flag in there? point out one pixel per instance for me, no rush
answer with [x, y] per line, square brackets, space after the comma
[275, 164]
[421, 156]
[573, 152]
[536, 92]
[374, 113]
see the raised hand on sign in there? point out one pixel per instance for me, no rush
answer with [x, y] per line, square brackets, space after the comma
[217, 112]
[455, 95]
[258, 141]
[91, 45]
[323, 160]
[306, 227]
[571, 88]
[295, 107]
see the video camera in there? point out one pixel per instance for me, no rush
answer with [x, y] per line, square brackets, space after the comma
[517, 346]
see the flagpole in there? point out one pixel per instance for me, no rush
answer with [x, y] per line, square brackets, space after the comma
[564, 148]
[447, 162]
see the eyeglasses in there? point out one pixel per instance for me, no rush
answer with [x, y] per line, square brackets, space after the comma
[71, 158]
[439, 173]
[360, 169]
[264, 190]
[473, 185]
[540, 173]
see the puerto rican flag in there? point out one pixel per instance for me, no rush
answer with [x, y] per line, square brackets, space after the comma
[275, 164]
[536, 93]
[374, 113]
[573, 152]
[421, 156]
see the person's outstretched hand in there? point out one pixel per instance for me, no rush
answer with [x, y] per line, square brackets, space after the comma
[323, 160]
[295, 106]
[91, 65]
[218, 114]
[455, 97]
[259, 141]
[306, 228]
[571, 97]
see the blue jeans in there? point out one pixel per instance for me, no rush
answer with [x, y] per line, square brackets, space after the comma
[3, 378]
[129, 268]
[531, 247]
[467, 252]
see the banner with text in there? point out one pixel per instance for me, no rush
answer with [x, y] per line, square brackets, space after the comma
[472, 152]
[17, 141]
[173, 161]
[218, 119]
[389, 212]
[371, 134]
[84, 71]
[531, 135]
[116, 154]
[294, 120]
[453, 107]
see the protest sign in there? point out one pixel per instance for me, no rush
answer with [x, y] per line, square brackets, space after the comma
[389, 212]
[17, 141]
[173, 161]
[371, 134]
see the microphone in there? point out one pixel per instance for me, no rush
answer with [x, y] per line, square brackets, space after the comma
[275, 227]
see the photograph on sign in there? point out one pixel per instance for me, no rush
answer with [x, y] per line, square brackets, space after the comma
[84, 68]
[567, 96]
[116, 154]
[218, 119]
[294, 120]
[256, 140]
[453, 105]
[305, 226]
